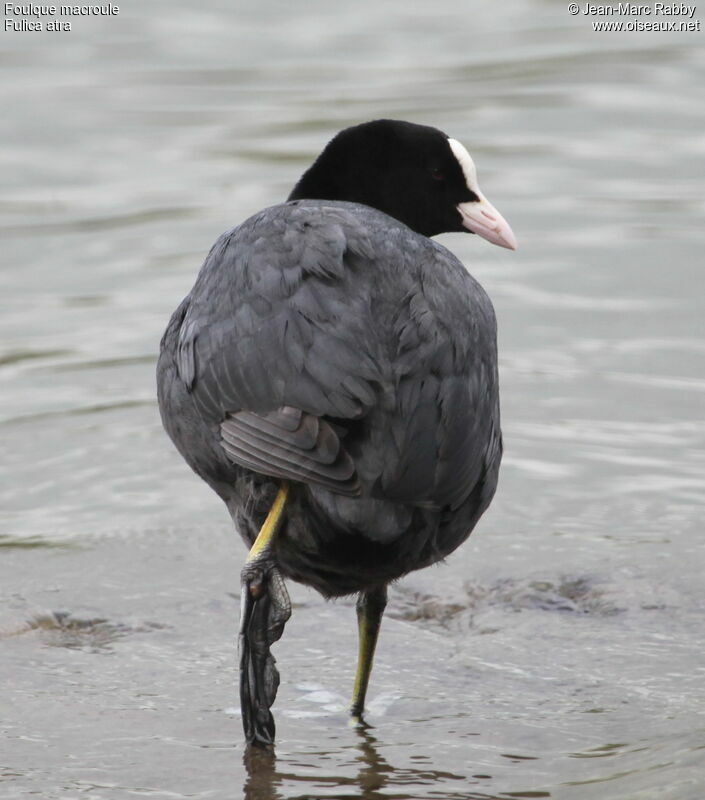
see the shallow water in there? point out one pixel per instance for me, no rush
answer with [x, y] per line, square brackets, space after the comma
[559, 652]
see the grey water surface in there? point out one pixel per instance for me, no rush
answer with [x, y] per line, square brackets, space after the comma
[559, 652]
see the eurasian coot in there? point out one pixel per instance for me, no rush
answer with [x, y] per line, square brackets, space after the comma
[332, 375]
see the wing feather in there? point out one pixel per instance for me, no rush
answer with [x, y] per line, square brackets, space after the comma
[311, 452]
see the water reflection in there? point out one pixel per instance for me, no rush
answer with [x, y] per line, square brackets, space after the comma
[375, 775]
[262, 778]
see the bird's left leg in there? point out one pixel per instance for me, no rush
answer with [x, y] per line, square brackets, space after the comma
[264, 610]
[370, 607]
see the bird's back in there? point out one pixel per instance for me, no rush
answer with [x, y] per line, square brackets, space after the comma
[383, 345]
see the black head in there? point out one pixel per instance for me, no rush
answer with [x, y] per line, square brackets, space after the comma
[414, 173]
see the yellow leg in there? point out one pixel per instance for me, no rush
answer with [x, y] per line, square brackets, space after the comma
[268, 531]
[370, 607]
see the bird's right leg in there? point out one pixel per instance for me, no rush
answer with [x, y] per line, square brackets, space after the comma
[370, 607]
[264, 610]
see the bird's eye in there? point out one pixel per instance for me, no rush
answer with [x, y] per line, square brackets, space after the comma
[437, 174]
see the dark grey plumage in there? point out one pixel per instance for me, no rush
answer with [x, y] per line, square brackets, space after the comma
[327, 343]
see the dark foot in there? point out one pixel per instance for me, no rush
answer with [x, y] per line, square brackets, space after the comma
[264, 609]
